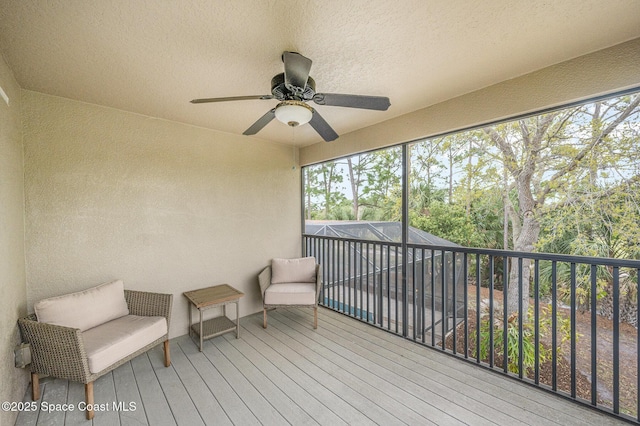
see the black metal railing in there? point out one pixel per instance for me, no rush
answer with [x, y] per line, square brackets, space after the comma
[570, 325]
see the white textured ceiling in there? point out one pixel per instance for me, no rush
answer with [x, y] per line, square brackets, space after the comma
[153, 57]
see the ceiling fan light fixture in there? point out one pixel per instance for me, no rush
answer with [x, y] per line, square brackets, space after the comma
[293, 113]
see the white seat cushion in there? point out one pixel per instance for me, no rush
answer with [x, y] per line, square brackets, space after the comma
[301, 270]
[116, 339]
[84, 309]
[290, 294]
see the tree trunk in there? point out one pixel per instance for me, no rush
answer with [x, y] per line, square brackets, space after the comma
[354, 190]
[529, 234]
[524, 241]
[505, 215]
[308, 191]
[469, 177]
[529, 230]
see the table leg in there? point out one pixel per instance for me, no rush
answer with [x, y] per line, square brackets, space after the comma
[200, 329]
[237, 319]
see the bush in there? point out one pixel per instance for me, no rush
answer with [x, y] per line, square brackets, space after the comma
[528, 338]
[449, 222]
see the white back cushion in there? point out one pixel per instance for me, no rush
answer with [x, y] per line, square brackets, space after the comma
[84, 309]
[301, 270]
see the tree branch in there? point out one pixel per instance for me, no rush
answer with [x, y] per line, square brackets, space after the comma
[600, 194]
[596, 140]
[509, 156]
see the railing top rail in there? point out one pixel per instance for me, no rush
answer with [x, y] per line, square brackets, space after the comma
[355, 240]
[605, 261]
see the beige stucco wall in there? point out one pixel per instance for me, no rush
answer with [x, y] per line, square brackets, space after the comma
[601, 72]
[164, 206]
[13, 299]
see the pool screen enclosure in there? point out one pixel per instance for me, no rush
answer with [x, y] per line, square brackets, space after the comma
[362, 264]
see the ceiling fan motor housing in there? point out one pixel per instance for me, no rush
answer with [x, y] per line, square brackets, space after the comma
[282, 93]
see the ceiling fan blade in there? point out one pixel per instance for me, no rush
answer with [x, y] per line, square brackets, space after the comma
[379, 103]
[296, 71]
[232, 98]
[322, 127]
[262, 121]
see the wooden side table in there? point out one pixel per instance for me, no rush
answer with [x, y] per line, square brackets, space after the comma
[213, 297]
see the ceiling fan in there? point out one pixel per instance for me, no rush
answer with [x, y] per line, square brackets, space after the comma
[294, 88]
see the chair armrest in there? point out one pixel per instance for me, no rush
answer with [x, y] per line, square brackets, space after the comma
[55, 350]
[318, 281]
[265, 280]
[149, 304]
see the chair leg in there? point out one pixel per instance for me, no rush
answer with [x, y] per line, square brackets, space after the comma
[315, 317]
[88, 392]
[167, 354]
[35, 386]
[264, 318]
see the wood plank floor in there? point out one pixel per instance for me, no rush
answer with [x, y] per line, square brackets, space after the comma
[343, 373]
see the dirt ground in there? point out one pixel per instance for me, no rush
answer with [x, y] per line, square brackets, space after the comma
[628, 357]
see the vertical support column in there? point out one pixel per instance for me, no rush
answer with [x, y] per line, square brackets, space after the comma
[303, 220]
[405, 236]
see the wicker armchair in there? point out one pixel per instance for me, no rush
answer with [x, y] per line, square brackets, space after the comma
[59, 351]
[291, 283]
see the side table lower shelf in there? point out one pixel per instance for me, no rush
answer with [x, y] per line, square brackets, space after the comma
[214, 327]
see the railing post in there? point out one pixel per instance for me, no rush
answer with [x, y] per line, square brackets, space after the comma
[536, 316]
[505, 313]
[478, 307]
[616, 340]
[491, 284]
[521, 317]
[465, 288]
[594, 336]
[433, 298]
[573, 329]
[638, 345]
[554, 326]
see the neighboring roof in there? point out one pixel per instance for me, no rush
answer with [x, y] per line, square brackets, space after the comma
[372, 231]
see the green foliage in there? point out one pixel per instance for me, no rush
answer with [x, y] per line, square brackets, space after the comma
[528, 338]
[487, 216]
[383, 176]
[447, 221]
[595, 227]
[422, 195]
